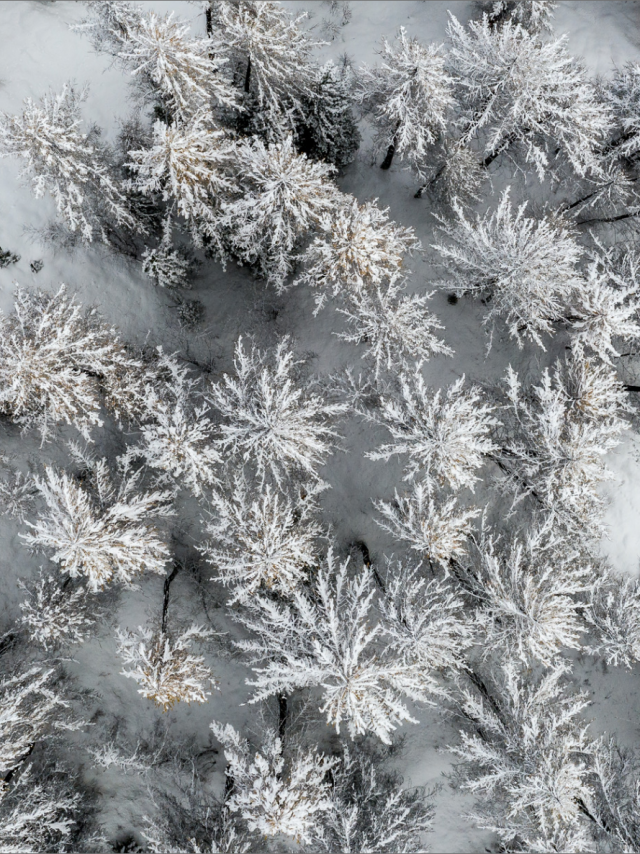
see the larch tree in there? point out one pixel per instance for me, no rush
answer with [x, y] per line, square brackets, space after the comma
[178, 439]
[606, 308]
[262, 538]
[358, 247]
[525, 266]
[393, 325]
[40, 812]
[370, 810]
[529, 595]
[110, 24]
[424, 620]
[275, 793]
[166, 264]
[525, 754]
[516, 89]
[68, 164]
[59, 363]
[190, 166]
[189, 76]
[164, 665]
[271, 49]
[614, 617]
[326, 637]
[444, 437]
[615, 806]
[410, 98]
[30, 710]
[534, 15]
[559, 433]
[269, 419]
[54, 613]
[283, 196]
[100, 528]
[436, 529]
[623, 94]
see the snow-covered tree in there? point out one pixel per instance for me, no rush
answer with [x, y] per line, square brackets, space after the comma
[38, 812]
[526, 266]
[164, 665]
[189, 75]
[437, 530]
[284, 196]
[189, 818]
[526, 755]
[445, 436]
[55, 613]
[70, 165]
[189, 164]
[370, 811]
[614, 614]
[54, 360]
[358, 248]
[262, 537]
[100, 528]
[30, 710]
[606, 306]
[17, 491]
[167, 265]
[622, 93]
[272, 793]
[270, 419]
[393, 326]
[615, 807]
[455, 174]
[326, 128]
[533, 15]
[529, 594]
[425, 621]
[409, 96]
[271, 47]
[559, 434]
[516, 89]
[177, 436]
[325, 637]
[110, 24]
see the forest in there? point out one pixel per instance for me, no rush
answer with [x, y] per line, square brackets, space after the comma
[319, 426]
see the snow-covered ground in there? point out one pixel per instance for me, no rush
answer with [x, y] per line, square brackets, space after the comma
[38, 51]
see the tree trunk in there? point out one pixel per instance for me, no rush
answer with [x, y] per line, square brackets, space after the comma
[618, 218]
[506, 142]
[386, 163]
[247, 77]
[209, 19]
[9, 774]
[165, 601]
[430, 183]
[228, 784]
[282, 717]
